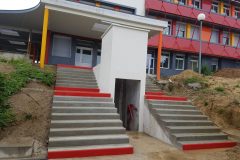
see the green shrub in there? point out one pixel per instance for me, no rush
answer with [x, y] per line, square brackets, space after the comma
[219, 89]
[13, 82]
[206, 71]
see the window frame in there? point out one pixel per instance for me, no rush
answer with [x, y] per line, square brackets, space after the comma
[161, 66]
[177, 58]
[218, 31]
[178, 24]
[169, 28]
[227, 38]
[226, 7]
[194, 5]
[215, 4]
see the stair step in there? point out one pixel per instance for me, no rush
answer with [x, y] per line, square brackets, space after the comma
[63, 132]
[84, 72]
[172, 106]
[154, 93]
[66, 66]
[170, 102]
[199, 136]
[188, 122]
[85, 123]
[76, 85]
[89, 151]
[181, 117]
[193, 129]
[76, 82]
[82, 94]
[84, 110]
[84, 116]
[206, 144]
[93, 103]
[82, 99]
[88, 140]
[177, 111]
[66, 75]
[77, 89]
[76, 78]
[173, 98]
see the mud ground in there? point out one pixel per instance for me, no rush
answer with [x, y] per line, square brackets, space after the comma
[149, 148]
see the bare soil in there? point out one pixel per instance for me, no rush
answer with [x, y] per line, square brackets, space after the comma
[228, 73]
[6, 68]
[32, 108]
[223, 107]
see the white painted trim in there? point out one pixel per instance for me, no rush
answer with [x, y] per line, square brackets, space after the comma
[105, 14]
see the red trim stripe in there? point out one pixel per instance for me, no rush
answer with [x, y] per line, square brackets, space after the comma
[76, 67]
[77, 89]
[90, 153]
[208, 145]
[154, 97]
[83, 94]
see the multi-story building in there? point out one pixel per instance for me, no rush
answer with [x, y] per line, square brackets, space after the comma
[220, 34]
[104, 46]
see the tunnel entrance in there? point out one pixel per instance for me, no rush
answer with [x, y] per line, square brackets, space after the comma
[127, 95]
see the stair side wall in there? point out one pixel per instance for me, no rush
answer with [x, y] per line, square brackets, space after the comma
[152, 127]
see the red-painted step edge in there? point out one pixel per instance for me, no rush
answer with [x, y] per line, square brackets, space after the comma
[77, 89]
[83, 94]
[173, 98]
[76, 67]
[90, 152]
[154, 93]
[208, 145]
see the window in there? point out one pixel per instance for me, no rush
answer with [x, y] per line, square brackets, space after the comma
[165, 60]
[195, 32]
[226, 10]
[226, 39]
[168, 30]
[196, 4]
[179, 62]
[61, 46]
[214, 8]
[236, 40]
[237, 12]
[182, 2]
[181, 30]
[215, 36]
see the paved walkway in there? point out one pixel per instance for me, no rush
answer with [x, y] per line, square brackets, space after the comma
[148, 148]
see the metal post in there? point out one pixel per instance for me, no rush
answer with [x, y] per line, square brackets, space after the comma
[200, 50]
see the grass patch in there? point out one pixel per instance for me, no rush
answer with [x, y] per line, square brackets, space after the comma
[193, 80]
[11, 83]
[219, 89]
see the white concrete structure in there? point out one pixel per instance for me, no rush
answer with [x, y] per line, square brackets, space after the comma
[120, 47]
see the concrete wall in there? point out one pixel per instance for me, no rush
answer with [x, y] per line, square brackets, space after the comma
[138, 4]
[152, 128]
[121, 46]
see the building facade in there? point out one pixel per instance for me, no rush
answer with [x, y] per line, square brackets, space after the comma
[220, 34]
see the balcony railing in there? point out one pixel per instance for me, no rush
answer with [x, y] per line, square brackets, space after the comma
[190, 12]
[192, 46]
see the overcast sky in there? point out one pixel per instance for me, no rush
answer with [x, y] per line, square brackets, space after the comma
[17, 4]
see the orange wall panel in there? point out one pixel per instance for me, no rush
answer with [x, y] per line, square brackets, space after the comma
[206, 33]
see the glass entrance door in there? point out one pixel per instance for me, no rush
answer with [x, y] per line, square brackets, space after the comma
[150, 64]
[83, 56]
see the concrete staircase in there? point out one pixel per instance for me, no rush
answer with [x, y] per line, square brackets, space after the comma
[186, 127]
[84, 122]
